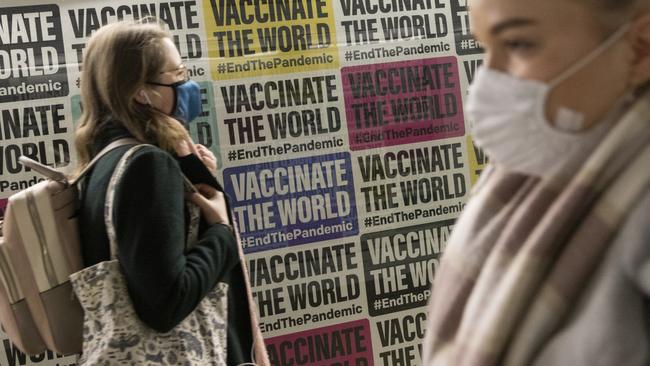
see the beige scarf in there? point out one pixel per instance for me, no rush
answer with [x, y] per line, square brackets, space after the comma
[525, 248]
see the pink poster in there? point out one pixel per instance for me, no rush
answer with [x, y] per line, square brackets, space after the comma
[402, 102]
[344, 344]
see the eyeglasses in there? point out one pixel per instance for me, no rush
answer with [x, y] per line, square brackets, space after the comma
[179, 72]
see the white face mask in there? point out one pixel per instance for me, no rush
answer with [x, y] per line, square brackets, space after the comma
[510, 123]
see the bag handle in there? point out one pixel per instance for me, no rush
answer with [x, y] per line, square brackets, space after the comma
[58, 176]
[110, 197]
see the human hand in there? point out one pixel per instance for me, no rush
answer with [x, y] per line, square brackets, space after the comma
[207, 157]
[212, 204]
[185, 147]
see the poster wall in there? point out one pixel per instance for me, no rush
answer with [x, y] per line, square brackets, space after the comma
[340, 136]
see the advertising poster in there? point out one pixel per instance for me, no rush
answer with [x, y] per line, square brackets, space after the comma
[340, 137]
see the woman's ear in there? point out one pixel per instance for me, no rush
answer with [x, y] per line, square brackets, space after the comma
[142, 97]
[640, 34]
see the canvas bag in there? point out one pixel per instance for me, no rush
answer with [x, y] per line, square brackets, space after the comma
[113, 333]
[39, 249]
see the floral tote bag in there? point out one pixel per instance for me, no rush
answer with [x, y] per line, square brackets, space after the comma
[114, 335]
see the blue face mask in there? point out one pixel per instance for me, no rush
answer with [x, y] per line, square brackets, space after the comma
[187, 99]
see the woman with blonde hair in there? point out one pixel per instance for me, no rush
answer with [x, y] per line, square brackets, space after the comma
[549, 264]
[178, 271]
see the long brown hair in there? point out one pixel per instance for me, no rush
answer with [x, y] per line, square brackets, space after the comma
[118, 60]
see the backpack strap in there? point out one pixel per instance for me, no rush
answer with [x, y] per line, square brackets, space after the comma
[43, 169]
[113, 145]
[59, 176]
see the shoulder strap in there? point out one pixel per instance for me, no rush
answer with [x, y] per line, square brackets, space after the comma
[113, 145]
[59, 176]
[110, 197]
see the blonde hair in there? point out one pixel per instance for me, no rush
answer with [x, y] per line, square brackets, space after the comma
[613, 13]
[119, 58]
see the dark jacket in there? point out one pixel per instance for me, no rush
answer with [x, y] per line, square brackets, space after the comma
[165, 281]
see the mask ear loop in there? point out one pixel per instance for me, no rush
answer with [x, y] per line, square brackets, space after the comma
[145, 96]
[613, 38]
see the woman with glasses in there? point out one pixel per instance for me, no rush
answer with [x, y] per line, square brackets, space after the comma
[135, 85]
[549, 264]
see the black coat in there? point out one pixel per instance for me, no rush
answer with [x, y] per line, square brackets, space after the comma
[165, 282]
